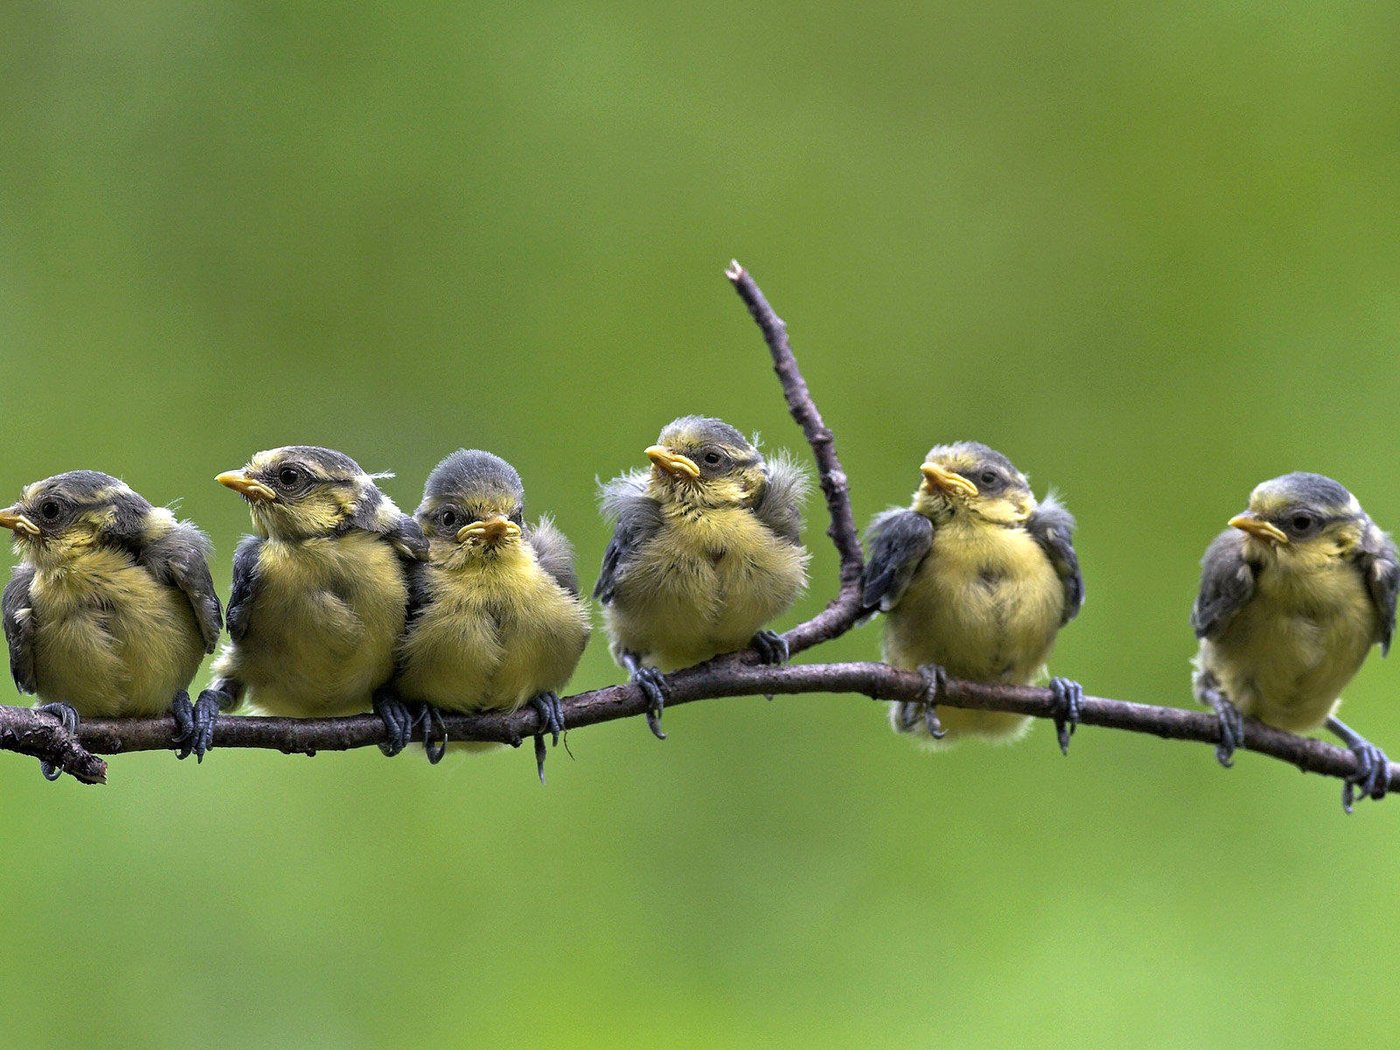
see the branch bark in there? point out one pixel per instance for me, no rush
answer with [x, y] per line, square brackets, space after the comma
[737, 674]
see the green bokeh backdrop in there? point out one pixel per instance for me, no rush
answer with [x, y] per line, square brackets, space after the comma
[1152, 252]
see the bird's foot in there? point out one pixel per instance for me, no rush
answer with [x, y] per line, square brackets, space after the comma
[434, 734]
[1231, 727]
[194, 723]
[935, 685]
[69, 719]
[1372, 776]
[772, 648]
[551, 713]
[398, 720]
[653, 684]
[1068, 695]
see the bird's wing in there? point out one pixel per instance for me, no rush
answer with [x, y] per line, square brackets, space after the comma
[555, 554]
[378, 514]
[419, 598]
[1227, 583]
[638, 518]
[1381, 567]
[19, 628]
[779, 505]
[898, 541]
[1053, 528]
[180, 558]
[245, 585]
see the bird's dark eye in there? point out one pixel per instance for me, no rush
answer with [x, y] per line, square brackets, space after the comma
[49, 509]
[1301, 523]
[713, 458]
[448, 519]
[987, 477]
[289, 476]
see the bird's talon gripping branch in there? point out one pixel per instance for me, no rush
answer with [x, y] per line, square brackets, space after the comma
[69, 719]
[1231, 725]
[1372, 776]
[398, 721]
[435, 734]
[772, 647]
[206, 716]
[1068, 695]
[551, 713]
[183, 712]
[653, 684]
[935, 685]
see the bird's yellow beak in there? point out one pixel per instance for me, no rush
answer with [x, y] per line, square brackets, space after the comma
[240, 482]
[936, 479]
[1258, 527]
[489, 532]
[12, 519]
[673, 463]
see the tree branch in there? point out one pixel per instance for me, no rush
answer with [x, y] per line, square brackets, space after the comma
[736, 674]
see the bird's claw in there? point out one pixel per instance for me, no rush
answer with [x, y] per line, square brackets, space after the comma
[653, 683]
[434, 734]
[1231, 728]
[68, 717]
[551, 713]
[398, 721]
[1068, 695]
[194, 723]
[772, 648]
[935, 685]
[1372, 776]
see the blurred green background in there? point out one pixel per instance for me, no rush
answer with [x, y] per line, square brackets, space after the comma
[1153, 255]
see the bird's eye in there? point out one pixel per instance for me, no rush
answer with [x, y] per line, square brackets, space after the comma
[289, 476]
[448, 519]
[49, 509]
[987, 477]
[713, 458]
[1301, 523]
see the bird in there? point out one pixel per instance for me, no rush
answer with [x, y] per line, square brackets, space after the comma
[1293, 596]
[974, 581]
[320, 592]
[495, 620]
[111, 608]
[704, 553]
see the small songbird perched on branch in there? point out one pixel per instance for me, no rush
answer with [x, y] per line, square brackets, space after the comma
[705, 553]
[1293, 595]
[495, 620]
[111, 608]
[975, 581]
[319, 594]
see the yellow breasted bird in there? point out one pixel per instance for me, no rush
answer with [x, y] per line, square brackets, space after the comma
[319, 594]
[111, 608]
[495, 620]
[705, 553]
[1293, 595]
[975, 581]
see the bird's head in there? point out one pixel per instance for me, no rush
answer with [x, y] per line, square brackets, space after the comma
[970, 478]
[473, 508]
[301, 491]
[1301, 516]
[704, 462]
[61, 517]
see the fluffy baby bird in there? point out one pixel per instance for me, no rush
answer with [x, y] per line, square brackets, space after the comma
[319, 594]
[705, 553]
[975, 581]
[111, 608]
[1293, 595]
[496, 620]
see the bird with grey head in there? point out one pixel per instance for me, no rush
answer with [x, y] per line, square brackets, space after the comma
[320, 592]
[705, 552]
[111, 608]
[1293, 596]
[495, 620]
[975, 581]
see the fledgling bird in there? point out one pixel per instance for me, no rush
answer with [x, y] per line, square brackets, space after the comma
[705, 552]
[495, 620]
[111, 608]
[1293, 595]
[975, 581]
[319, 594]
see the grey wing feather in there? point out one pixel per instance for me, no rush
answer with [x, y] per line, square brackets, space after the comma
[1381, 566]
[19, 628]
[898, 541]
[638, 519]
[181, 558]
[555, 554]
[245, 585]
[1227, 584]
[779, 505]
[1053, 528]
